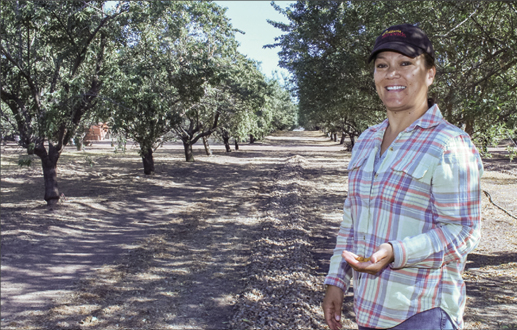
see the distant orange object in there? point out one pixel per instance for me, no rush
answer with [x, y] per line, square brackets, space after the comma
[97, 132]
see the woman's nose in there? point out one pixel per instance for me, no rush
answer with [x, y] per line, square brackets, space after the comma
[392, 72]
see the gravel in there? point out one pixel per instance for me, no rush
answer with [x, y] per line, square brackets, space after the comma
[283, 289]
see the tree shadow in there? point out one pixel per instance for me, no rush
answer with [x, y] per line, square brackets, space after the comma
[117, 224]
[476, 260]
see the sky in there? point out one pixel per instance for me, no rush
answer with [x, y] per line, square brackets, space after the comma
[251, 18]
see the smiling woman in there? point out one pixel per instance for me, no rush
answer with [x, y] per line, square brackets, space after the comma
[402, 81]
[413, 209]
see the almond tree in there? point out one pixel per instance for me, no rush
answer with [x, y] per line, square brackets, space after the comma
[54, 59]
[170, 60]
[237, 88]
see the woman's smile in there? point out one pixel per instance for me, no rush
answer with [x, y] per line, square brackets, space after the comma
[395, 88]
[402, 82]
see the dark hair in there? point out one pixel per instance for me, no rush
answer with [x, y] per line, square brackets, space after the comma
[429, 63]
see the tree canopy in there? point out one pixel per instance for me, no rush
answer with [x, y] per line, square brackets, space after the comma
[54, 59]
[325, 46]
[151, 69]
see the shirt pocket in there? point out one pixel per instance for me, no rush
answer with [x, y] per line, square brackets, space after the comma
[357, 162]
[420, 170]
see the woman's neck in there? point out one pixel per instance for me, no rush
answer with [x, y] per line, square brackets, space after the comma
[400, 120]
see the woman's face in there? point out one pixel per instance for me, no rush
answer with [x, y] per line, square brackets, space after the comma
[402, 82]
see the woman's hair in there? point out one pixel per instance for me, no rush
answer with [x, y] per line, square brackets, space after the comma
[429, 63]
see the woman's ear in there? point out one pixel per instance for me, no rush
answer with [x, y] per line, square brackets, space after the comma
[430, 76]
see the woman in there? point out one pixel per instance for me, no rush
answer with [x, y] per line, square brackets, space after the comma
[413, 208]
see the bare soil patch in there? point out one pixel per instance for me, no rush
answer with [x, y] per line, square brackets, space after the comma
[238, 240]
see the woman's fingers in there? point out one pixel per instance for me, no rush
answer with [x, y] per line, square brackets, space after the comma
[332, 304]
[351, 258]
[384, 251]
[371, 265]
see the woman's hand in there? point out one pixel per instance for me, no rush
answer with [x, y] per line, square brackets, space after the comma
[378, 260]
[332, 306]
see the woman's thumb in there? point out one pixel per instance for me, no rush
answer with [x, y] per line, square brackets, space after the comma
[378, 255]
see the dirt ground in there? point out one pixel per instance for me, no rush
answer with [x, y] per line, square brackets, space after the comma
[173, 250]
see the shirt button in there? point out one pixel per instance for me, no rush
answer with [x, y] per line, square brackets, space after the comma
[376, 175]
[391, 148]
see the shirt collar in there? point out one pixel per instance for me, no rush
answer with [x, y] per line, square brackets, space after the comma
[431, 118]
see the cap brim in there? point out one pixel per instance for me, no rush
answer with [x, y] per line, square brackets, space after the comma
[399, 47]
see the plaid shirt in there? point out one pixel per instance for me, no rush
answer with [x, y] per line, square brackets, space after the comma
[425, 200]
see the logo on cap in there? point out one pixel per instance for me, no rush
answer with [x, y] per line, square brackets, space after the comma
[393, 33]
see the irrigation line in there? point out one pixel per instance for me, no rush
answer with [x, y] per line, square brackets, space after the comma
[501, 208]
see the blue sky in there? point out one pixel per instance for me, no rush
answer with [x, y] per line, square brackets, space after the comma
[250, 17]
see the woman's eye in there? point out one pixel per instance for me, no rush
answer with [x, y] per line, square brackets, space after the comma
[406, 63]
[380, 66]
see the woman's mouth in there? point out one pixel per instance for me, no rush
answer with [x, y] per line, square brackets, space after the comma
[395, 88]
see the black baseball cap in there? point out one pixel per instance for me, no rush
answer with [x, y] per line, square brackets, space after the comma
[406, 39]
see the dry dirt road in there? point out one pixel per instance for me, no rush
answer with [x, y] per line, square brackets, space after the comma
[238, 240]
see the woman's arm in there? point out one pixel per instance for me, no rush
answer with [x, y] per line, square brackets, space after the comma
[456, 200]
[340, 272]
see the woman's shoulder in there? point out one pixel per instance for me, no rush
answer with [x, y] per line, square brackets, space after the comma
[455, 144]
[446, 133]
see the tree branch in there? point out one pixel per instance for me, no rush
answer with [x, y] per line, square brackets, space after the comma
[83, 51]
[461, 23]
[30, 82]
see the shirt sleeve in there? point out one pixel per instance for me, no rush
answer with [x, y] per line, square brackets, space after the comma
[340, 272]
[456, 205]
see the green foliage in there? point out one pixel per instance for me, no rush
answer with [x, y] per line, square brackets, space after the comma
[89, 161]
[326, 44]
[174, 62]
[284, 111]
[242, 99]
[52, 62]
[54, 56]
[26, 160]
[120, 146]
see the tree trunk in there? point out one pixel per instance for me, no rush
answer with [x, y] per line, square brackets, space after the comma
[469, 127]
[49, 165]
[252, 139]
[208, 151]
[50, 177]
[484, 146]
[352, 141]
[78, 143]
[189, 155]
[226, 140]
[148, 161]
[236, 145]
[227, 145]
[448, 110]
[343, 135]
[334, 135]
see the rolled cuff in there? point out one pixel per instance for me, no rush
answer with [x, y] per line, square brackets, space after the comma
[400, 255]
[335, 281]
